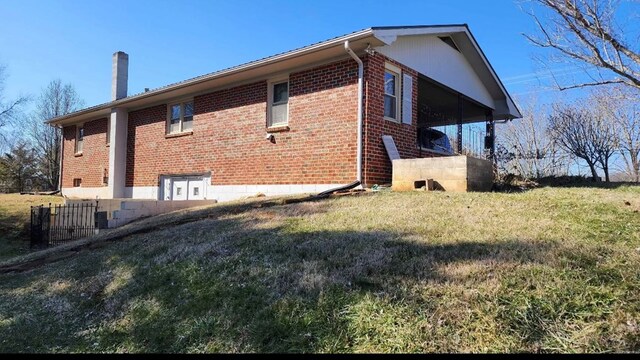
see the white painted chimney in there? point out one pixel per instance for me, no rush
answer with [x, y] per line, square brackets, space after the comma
[119, 75]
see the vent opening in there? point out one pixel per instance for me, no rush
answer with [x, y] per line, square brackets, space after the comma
[449, 41]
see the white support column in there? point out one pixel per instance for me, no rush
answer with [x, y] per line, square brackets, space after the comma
[118, 152]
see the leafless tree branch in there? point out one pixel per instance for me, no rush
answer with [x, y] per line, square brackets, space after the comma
[585, 32]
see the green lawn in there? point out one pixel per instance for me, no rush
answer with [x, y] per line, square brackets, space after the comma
[14, 221]
[551, 270]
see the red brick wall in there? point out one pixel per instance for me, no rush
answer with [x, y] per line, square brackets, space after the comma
[230, 125]
[229, 130]
[376, 163]
[93, 164]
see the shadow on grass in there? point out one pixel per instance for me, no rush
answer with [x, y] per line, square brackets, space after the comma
[294, 294]
[14, 236]
[516, 184]
[240, 282]
[582, 182]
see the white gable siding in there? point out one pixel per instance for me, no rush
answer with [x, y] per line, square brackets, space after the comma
[432, 57]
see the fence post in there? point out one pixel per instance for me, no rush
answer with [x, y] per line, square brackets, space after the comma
[40, 217]
[34, 228]
[96, 223]
[46, 221]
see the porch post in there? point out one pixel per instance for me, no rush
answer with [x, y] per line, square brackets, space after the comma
[490, 137]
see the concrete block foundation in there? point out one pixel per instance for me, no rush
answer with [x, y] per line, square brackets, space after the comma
[451, 173]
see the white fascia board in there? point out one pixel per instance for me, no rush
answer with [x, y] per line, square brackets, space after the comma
[513, 109]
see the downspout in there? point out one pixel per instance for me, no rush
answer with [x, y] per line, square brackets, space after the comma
[360, 95]
[59, 189]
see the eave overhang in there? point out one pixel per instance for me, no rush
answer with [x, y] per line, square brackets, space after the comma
[253, 71]
[303, 57]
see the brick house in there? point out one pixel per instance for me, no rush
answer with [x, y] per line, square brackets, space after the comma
[302, 121]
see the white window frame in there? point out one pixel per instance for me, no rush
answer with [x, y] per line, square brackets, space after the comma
[181, 103]
[108, 139]
[79, 143]
[271, 84]
[397, 72]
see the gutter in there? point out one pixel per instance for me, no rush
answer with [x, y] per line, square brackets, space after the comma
[360, 95]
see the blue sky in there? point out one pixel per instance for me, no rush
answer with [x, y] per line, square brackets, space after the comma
[169, 41]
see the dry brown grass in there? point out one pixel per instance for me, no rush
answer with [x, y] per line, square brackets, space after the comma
[551, 270]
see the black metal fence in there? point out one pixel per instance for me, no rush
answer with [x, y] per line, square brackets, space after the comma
[56, 224]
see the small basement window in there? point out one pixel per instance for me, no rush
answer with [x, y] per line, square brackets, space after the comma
[180, 117]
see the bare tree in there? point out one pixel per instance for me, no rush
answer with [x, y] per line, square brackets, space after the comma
[586, 32]
[530, 151]
[605, 139]
[620, 107]
[584, 135]
[56, 99]
[8, 108]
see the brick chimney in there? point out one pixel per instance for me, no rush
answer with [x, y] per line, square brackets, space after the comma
[119, 75]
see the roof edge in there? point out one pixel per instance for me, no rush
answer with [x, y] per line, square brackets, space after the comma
[319, 46]
[495, 74]
[418, 26]
[391, 36]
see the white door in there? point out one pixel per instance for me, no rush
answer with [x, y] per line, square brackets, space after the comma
[179, 189]
[195, 189]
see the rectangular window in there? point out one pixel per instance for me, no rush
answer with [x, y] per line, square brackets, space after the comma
[187, 116]
[79, 139]
[391, 92]
[278, 103]
[108, 131]
[180, 117]
[77, 182]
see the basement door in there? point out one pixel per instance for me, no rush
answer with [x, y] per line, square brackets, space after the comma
[184, 188]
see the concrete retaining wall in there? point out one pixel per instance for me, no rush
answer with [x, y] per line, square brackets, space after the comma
[451, 173]
[123, 211]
